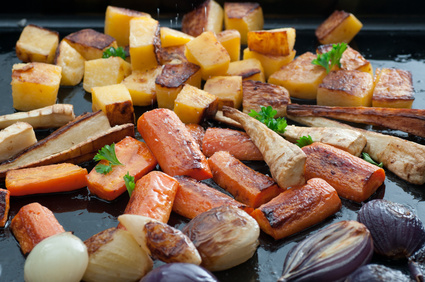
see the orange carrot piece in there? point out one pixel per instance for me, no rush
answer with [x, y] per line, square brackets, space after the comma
[153, 196]
[297, 209]
[137, 160]
[194, 197]
[172, 145]
[4, 206]
[352, 177]
[32, 224]
[245, 184]
[197, 131]
[46, 179]
[236, 142]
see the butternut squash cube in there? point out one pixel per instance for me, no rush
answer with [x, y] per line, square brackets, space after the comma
[346, 89]
[90, 43]
[208, 16]
[244, 17]
[172, 37]
[275, 42]
[249, 69]
[206, 52]
[393, 89]
[35, 85]
[228, 89]
[71, 62]
[271, 64]
[117, 23]
[37, 44]
[102, 72]
[192, 104]
[115, 101]
[231, 40]
[173, 54]
[300, 77]
[340, 26]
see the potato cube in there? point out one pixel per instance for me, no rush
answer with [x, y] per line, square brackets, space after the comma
[249, 69]
[170, 82]
[117, 23]
[192, 104]
[37, 44]
[231, 40]
[339, 27]
[228, 89]
[206, 52]
[115, 101]
[275, 42]
[15, 138]
[172, 37]
[271, 64]
[393, 89]
[346, 89]
[35, 85]
[71, 62]
[102, 72]
[141, 85]
[244, 17]
[173, 54]
[90, 43]
[208, 16]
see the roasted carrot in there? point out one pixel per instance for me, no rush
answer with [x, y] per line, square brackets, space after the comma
[32, 224]
[4, 206]
[236, 142]
[352, 177]
[197, 131]
[137, 160]
[194, 197]
[46, 179]
[172, 145]
[245, 184]
[297, 208]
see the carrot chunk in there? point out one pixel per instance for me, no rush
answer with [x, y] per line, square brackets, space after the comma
[297, 208]
[4, 206]
[197, 131]
[137, 160]
[245, 184]
[32, 224]
[172, 145]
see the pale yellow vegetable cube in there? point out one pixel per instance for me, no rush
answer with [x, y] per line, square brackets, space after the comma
[249, 69]
[339, 27]
[102, 72]
[173, 37]
[300, 77]
[208, 16]
[37, 44]
[275, 42]
[115, 101]
[192, 104]
[228, 89]
[35, 85]
[71, 62]
[271, 64]
[231, 40]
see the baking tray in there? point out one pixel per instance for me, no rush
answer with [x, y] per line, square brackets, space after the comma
[383, 41]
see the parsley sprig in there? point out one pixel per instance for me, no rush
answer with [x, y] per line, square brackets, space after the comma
[112, 52]
[106, 153]
[266, 116]
[129, 183]
[331, 58]
[304, 141]
[367, 158]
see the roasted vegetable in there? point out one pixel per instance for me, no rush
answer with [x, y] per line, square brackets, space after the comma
[4, 206]
[15, 138]
[207, 16]
[179, 272]
[377, 273]
[340, 26]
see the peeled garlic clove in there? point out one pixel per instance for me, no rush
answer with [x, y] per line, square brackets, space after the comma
[61, 257]
[332, 253]
[179, 272]
[376, 273]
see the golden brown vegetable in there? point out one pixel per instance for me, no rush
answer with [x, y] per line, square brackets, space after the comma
[4, 206]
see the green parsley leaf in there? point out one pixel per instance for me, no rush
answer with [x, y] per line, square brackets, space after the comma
[129, 183]
[304, 141]
[367, 158]
[266, 116]
[331, 58]
[112, 52]
[106, 153]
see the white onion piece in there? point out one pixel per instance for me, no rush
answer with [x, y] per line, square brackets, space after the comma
[135, 224]
[61, 257]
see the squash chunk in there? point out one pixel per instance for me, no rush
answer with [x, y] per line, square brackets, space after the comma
[35, 85]
[172, 54]
[228, 89]
[208, 16]
[249, 69]
[231, 40]
[37, 44]
[339, 27]
[173, 37]
[300, 77]
[72, 64]
[275, 42]
[270, 63]
[346, 89]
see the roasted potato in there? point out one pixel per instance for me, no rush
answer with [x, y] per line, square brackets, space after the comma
[90, 43]
[340, 26]
[71, 62]
[228, 90]
[208, 16]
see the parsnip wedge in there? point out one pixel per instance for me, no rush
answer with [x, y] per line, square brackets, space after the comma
[53, 116]
[15, 138]
[285, 160]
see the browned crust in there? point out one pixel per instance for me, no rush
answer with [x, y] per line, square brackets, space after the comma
[4, 206]
[239, 10]
[175, 75]
[330, 24]
[168, 54]
[91, 38]
[353, 82]
[98, 240]
[394, 84]
[195, 22]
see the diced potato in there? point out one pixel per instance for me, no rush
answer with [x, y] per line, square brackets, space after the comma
[192, 104]
[208, 16]
[141, 85]
[102, 72]
[117, 23]
[300, 77]
[249, 69]
[37, 44]
[71, 62]
[35, 85]
[115, 101]
[206, 52]
[346, 89]
[173, 37]
[173, 54]
[145, 43]
[15, 138]
[170, 82]
[244, 17]
[90, 43]
[228, 89]
[275, 42]
[393, 89]
[231, 40]
[339, 27]
[271, 64]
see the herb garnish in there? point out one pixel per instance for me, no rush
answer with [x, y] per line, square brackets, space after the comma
[106, 153]
[129, 183]
[367, 158]
[112, 52]
[331, 58]
[266, 116]
[304, 141]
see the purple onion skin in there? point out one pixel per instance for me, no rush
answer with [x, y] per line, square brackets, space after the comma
[179, 272]
[376, 273]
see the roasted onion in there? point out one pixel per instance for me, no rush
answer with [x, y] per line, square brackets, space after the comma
[179, 272]
[376, 273]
